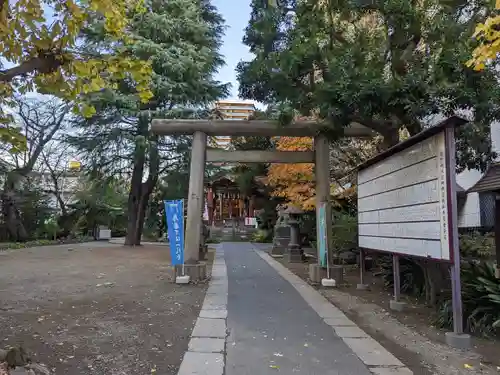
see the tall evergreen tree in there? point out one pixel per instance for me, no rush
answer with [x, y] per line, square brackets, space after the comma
[384, 64]
[181, 38]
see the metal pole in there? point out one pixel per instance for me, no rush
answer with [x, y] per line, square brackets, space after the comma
[397, 279]
[184, 225]
[221, 203]
[497, 235]
[362, 267]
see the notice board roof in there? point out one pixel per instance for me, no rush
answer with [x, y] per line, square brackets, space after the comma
[453, 121]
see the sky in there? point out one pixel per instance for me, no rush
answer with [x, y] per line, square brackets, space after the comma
[236, 13]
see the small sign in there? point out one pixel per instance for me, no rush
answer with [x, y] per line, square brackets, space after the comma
[321, 241]
[104, 233]
[205, 212]
[174, 214]
[75, 165]
[251, 221]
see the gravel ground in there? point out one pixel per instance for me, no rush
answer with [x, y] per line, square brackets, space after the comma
[97, 308]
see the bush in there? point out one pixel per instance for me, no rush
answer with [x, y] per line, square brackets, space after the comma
[413, 279]
[266, 218]
[344, 232]
[411, 275]
[263, 236]
[480, 298]
[307, 225]
[118, 232]
[42, 242]
[48, 230]
[477, 245]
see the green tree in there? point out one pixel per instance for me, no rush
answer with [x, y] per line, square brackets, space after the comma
[39, 44]
[181, 38]
[34, 208]
[247, 176]
[384, 64]
[99, 200]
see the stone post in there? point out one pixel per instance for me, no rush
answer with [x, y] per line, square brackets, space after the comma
[195, 198]
[322, 176]
[322, 172]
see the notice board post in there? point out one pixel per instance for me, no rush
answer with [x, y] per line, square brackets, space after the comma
[456, 287]
[407, 206]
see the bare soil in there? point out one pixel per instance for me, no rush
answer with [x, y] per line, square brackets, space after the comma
[370, 310]
[97, 308]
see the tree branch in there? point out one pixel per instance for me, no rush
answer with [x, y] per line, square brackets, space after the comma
[45, 63]
[382, 127]
[45, 139]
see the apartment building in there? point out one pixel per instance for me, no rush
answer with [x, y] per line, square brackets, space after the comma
[233, 111]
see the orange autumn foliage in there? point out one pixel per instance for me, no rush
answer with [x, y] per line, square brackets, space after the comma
[294, 182]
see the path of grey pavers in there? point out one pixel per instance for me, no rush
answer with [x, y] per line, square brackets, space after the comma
[259, 318]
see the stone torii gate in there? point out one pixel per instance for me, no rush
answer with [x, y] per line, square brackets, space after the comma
[200, 129]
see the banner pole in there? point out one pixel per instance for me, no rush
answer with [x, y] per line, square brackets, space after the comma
[183, 242]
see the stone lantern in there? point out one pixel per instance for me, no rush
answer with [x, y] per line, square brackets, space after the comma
[281, 237]
[293, 252]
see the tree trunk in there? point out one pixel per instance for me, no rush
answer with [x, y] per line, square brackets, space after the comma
[13, 221]
[62, 204]
[141, 214]
[390, 139]
[134, 198]
[135, 194]
[147, 188]
[11, 213]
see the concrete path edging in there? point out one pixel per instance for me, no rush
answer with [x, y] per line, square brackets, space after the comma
[207, 346]
[378, 360]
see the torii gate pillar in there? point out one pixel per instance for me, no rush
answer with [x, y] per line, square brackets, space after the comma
[195, 208]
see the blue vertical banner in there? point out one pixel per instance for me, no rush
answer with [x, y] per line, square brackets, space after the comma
[174, 214]
[321, 240]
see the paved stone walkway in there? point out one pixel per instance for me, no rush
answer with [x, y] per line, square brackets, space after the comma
[259, 319]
